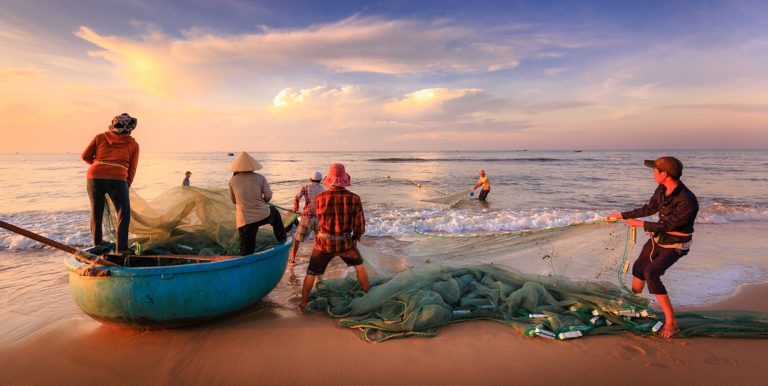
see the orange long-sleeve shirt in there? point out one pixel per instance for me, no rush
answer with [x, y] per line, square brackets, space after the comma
[107, 151]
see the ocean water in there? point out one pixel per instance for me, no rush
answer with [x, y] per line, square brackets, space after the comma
[530, 189]
[541, 191]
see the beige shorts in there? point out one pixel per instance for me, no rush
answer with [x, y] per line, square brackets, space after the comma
[306, 224]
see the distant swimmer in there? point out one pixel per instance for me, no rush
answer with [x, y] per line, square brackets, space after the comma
[485, 183]
[671, 236]
[186, 178]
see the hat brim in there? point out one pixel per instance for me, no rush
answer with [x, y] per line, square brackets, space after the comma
[244, 163]
[649, 163]
[338, 181]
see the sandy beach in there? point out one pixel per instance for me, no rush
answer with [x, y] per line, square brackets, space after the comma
[273, 344]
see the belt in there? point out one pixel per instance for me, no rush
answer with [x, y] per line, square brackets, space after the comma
[323, 235]
[110, 163]
[684, 246]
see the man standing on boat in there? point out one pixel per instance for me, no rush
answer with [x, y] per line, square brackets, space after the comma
[671, 236]
[250, 193]
[113, 156]
[340, 224]
[483, 181]
[308, 221]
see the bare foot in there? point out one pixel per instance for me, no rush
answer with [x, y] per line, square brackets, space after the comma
[669, 331]
[291, 260]
[303, 308]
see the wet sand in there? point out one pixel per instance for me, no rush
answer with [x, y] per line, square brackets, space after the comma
[45, 339]
[270, 344]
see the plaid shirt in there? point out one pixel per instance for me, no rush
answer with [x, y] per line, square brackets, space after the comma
[341, 221]
[309, 192]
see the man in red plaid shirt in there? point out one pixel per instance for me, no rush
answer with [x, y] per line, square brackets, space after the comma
[340, 225]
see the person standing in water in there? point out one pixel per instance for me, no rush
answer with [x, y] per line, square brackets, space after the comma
[186, 178]
[483, 181]
[113, 156]
[308, 221]
[671, 235]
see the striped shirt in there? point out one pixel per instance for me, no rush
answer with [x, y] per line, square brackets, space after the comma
[309, 192]
[341, 221]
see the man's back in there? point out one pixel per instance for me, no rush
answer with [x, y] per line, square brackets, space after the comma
[340, 219]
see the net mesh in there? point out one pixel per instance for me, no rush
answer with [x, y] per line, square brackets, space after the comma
[190, 221]
[418, 301]
[449, 199]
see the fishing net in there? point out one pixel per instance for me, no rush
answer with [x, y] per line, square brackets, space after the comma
[190, 221]
[418, 301]
[456, 278]
[449, 199]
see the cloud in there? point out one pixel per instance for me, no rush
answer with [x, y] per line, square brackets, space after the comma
[535, 108]
[729, 107]
[8, 74]
[198, 59]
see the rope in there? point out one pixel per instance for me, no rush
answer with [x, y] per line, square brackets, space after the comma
[508, 233]
[285, 209]
[420, 185]
[623, 267]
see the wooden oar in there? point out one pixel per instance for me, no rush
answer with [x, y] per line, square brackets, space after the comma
[81, 255]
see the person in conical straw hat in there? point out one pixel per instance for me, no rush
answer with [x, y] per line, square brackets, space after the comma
[250, 193]
[340, 225]
[308, 221]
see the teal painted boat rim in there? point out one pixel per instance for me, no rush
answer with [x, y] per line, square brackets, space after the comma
[73, 264]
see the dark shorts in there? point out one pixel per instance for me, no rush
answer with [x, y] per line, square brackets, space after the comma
[319, 260]
[483, 194]
[653, 262]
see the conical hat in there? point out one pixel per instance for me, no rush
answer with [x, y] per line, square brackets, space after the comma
[244, 163]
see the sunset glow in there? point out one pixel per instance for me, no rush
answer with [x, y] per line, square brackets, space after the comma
[422, 76]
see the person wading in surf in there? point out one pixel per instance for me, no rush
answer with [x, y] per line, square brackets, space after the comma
[670, 238]
[483, 181]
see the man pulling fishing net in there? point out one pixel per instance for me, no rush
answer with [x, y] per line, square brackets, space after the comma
[671, 236]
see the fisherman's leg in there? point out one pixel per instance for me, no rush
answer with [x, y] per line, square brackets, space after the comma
[309, 282]
[247, 234]
[118, 192]
[353, 258]
[294, 249]
[670, 321]
[277, 225]
[302, 231]
[483, 194]
[96, 196]
[362, 277]
[318, 262]
[665, 258]
[638, 269]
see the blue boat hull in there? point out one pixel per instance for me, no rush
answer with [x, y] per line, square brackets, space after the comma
[174, 296]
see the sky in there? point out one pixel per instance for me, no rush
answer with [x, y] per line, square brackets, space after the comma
[231, 75]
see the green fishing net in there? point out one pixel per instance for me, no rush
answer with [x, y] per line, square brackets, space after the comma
[189, 220]
[418, 301]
